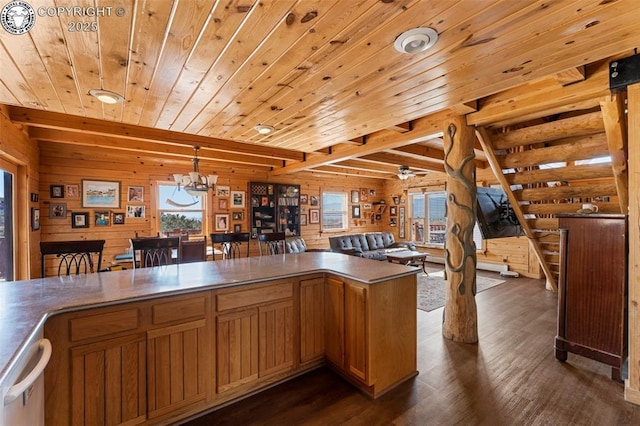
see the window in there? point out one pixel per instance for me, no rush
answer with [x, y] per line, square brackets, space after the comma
[6, 226]
[428, 212]
[179, 212]
[334, 211]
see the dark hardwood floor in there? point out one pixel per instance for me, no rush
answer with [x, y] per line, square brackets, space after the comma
[510, 377]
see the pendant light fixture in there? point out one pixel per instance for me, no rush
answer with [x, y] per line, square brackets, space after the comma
[195, 183]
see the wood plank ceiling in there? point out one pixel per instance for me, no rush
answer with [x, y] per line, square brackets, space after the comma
[324, 73]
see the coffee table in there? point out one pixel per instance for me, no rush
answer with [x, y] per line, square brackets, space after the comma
[407, 257]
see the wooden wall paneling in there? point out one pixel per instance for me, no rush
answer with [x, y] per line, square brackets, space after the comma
[632, 385]
[19, 151]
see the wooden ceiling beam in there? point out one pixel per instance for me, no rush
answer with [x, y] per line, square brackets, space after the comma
[151, 148]
[52, 120]
[347, 171]
[423, 128]
[366, 166]
[541, 98]
[399, 160]
[585, 124]
[571, 75]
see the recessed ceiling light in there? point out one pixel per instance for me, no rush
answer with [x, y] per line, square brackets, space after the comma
[264, 129]
[416, 40]
[106, 96]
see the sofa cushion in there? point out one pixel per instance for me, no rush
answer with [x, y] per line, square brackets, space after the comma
[295, 245]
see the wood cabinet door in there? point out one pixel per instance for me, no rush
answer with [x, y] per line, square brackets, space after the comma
[276, 337]
[356, 341]
[108, 382]
[178, 366]
[311, 319]
[334, 321]
[237, 349]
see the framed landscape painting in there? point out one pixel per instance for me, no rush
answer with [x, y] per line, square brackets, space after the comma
[100, 194]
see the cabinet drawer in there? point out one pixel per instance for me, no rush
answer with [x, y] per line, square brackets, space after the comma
[253, 296]
[105, 324]
[177, 310]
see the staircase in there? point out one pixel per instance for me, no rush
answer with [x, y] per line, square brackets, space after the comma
[551, 166]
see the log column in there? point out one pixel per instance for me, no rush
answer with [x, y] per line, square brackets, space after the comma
[460, 322]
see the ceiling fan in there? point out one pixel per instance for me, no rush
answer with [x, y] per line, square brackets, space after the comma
[404, 173]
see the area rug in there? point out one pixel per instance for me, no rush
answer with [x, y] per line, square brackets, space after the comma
[431, 289]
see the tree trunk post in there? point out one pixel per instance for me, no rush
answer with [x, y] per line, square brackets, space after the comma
[460, 321]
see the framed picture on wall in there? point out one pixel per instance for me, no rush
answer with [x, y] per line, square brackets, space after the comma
[100, 194]
[355, 196]
[101, 218]
[56, 191]
[118, 218]
[355, 211]
[80, 219]
[237, 228]
[35, 218]
[223, 204]
[314, 200]
[135, 211]
[222, 222]
[237, 215]
[237, 199]
[222, 191]
[57, 211]
[314, 216]
[135, 194]
[71, 191]
[304, 199]
[401, 214]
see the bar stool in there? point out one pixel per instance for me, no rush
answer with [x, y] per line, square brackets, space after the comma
[155, 251]
[271, 243]
[75, 256]
[232, 244]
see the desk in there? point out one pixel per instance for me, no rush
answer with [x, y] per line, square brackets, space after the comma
[406, 257]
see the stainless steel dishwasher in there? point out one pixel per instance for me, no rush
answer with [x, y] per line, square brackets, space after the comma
[23, 397]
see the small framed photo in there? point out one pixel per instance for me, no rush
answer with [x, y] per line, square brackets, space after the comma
[72, 191]
[56, 191]
[314, 216]
[57, 211]
[223, 204]
[80, 219]
[303, 220]
[101, 218]
[237, 199]
[135, 211]
[366, 206]
[355, 196]
[378, 217]
[118, 218]
[355, 211]
[35, 197]
[237, 228]
[304, 199]
[135, 194]
[35, 218]
[222, 222]
[393, 211]
[223, 191]
[314, 201]
[237, 215]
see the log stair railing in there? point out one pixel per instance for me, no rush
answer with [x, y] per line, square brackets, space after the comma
[541, 169]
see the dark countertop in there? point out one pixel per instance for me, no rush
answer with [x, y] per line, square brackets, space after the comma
[25, 305]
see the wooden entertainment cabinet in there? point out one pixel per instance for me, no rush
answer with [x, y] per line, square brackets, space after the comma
[592, 289]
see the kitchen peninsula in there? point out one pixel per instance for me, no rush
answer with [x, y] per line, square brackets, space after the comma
[154, 345]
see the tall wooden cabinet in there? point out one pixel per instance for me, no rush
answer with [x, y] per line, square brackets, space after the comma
[593, 289]
[274, 208]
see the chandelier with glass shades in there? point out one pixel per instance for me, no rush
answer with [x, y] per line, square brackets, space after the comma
[195, 183]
